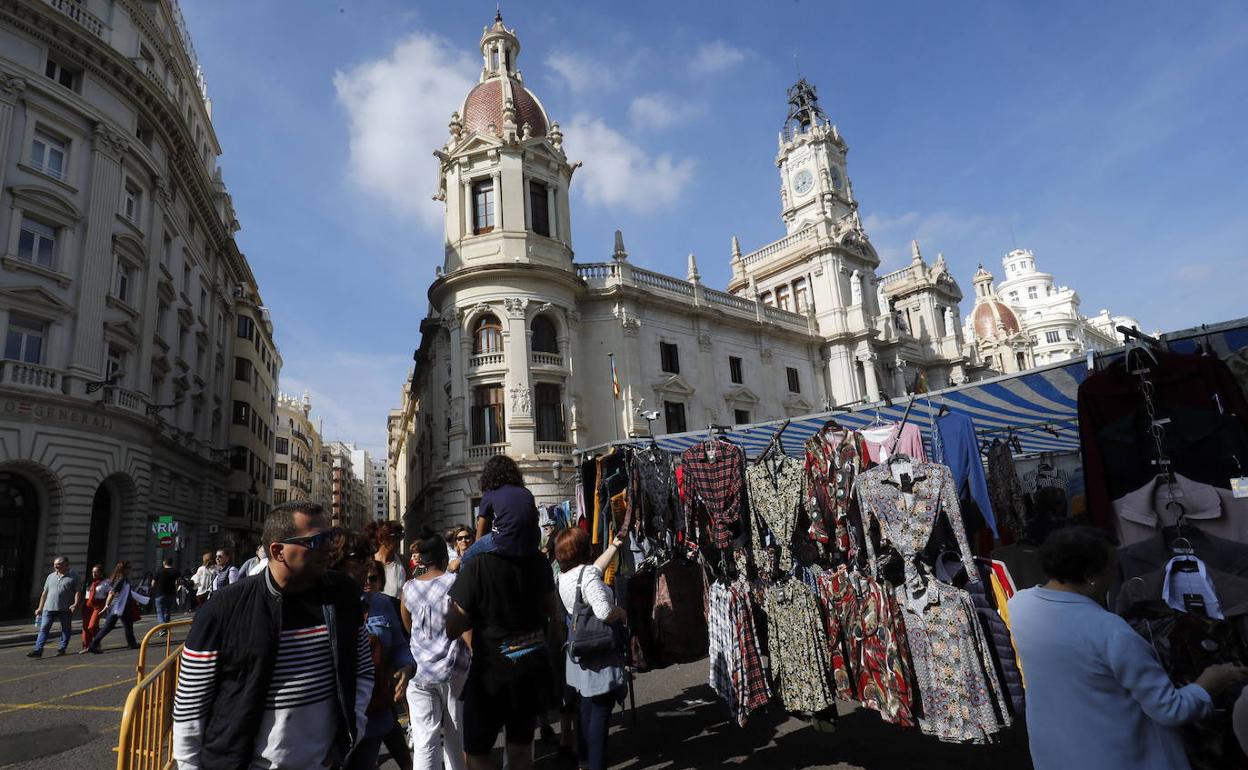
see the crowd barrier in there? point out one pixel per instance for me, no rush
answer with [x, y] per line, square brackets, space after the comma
[146, 738]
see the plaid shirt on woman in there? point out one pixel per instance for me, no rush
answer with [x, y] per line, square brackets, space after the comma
[438, 659]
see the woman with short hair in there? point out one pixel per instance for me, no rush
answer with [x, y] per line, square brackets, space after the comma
[1096, 695]
[599, 681]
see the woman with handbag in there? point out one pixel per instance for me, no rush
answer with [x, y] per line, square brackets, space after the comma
[595, 657]
[119, 606]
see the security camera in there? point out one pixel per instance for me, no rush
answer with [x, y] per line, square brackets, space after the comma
[653, 414]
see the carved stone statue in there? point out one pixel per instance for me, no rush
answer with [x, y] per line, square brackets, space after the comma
[855, 288]
[521, 400]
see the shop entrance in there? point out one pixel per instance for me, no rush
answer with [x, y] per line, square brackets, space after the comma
[19, 523]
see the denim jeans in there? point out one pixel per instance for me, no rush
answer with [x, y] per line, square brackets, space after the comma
[45, 626]
[164, 608]
[591, 738]
[109, 624]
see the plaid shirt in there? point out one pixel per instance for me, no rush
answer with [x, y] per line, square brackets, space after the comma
[438, 659]
[737, 673]
[717, 484]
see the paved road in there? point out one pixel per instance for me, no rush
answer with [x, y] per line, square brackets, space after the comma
[64, 713]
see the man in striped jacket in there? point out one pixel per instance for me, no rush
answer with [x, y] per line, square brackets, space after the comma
[277, 670]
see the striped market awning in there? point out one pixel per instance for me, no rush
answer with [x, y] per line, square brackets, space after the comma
[1038, 406]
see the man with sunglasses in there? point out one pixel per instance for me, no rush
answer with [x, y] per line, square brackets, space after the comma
[277, 670]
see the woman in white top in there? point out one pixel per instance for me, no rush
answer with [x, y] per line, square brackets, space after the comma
[601, 681]
[203, 580]
[433, 703]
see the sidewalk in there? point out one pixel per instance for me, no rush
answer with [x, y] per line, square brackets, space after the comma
[15, 633]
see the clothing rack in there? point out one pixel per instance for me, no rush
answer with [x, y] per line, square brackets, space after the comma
[1048, 426]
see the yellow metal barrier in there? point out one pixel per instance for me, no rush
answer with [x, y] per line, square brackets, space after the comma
[146, 740]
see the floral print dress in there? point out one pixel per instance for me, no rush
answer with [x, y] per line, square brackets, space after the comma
[800, 659]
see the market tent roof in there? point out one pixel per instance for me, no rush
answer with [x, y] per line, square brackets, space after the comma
[1039, 404]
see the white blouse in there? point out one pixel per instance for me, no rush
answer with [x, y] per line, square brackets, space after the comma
[596, 594]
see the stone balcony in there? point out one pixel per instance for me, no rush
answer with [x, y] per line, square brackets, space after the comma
[561, 448]
[486, 451]
[548, 359]
[33, 377]
[124, 399]
[75, 11]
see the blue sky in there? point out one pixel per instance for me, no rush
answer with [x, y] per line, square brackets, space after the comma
[1107, 137]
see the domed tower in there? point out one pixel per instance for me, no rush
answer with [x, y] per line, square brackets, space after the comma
[497, 342]
[995, 330]
[814, 184]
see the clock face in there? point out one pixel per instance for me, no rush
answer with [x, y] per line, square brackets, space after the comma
[803, 182]
[837, 182]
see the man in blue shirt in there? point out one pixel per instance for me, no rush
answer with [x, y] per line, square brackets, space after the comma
[62, 593]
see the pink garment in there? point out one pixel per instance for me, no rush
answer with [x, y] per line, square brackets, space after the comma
[880, 442]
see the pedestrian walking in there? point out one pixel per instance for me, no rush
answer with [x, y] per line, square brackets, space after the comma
[121, 606]
[506, 597]
[255, 564]
[434, 696]
[203, 580]
[351, 554]
[599, 680]
[166, 592]
[386, 537]
[61, 595]
[93, 604]
[226, 573]
[277, 671]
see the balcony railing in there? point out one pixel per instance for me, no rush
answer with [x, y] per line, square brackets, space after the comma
[126, 399]
[75, 10]
[486, 450]
[555, 448]
[548, 359]
[777, 246]
[19, 374]
[485, 359]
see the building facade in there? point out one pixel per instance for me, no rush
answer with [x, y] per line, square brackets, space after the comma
[253, 416]
[298, 472]
[527, 353]
[1028, 319]
[380, 490]
[349, 502]
[121, 291]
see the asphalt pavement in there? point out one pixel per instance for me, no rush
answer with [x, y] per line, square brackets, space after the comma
[64, 713]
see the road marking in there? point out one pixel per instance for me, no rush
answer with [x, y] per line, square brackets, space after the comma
[11, 707]
[48, 672]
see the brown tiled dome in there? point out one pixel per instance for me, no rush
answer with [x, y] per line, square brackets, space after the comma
[988, 316]
[485, 101]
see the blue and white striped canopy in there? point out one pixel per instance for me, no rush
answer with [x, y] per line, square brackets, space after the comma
[1039, 405]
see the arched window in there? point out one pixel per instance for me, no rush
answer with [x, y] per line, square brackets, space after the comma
[487, 335]
[545, 340]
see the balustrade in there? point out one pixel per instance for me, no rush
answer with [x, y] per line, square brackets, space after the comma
[30, 376]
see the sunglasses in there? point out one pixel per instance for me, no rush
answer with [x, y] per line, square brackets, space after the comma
[464, 537]
[308, 541]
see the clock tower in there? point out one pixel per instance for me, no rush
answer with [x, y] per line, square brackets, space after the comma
[811, 158]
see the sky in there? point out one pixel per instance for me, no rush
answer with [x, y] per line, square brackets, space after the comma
[1106, 137]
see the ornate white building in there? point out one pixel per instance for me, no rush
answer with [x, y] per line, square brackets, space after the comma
[521, 346]
[1027, 318]
[139, 369]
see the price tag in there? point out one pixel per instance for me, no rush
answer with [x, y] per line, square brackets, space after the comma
[1239, 486]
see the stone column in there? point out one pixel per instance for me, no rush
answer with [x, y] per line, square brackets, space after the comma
[466, 222]
[899, 377]
[10, 88]
[553, 218]
[518, 385]
[497, 176]
[527, 188]
[458, 349]
[87, 356]
[868, 372]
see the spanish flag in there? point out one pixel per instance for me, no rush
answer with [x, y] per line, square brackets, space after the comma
[615, 378]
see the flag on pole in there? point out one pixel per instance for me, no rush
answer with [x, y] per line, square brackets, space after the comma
[615, 378]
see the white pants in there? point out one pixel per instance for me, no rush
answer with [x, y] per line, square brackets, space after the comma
[436, 716]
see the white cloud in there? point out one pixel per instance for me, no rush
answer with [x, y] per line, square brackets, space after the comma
[352, 394]
[398, 108]
[578, 73]
[659, 110]
[717, 56]
[955, 234]
[617, 172]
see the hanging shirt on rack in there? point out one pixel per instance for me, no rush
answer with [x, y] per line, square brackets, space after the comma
[654, 495]
[737, 672]
[958, 685]
[799, 651]
[777, 487]
[883, 442]
[1208, 508]
[716, 483]
[960, 452]
[834, 457]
